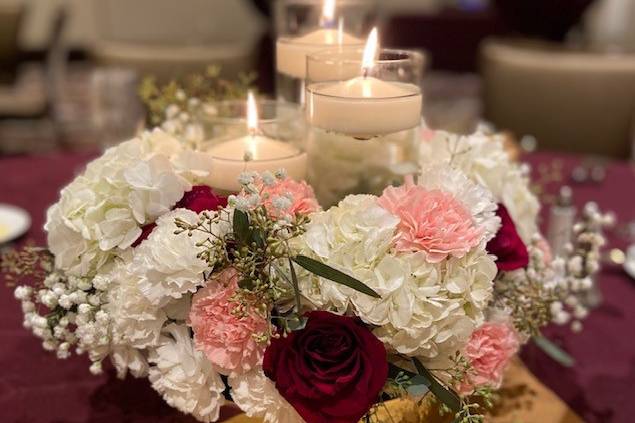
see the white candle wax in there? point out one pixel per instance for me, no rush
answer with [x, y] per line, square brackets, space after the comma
[291, 53]
[364, 107]
[228, 160]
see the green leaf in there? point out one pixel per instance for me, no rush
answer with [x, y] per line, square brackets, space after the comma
[334, 275]
[554, 351]
[296, 287]
[256, 236]
[445, 395]
[241, 227]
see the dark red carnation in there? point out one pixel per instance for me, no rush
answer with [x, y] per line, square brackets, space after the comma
[507, 246]
[332, 371]
[200, 198]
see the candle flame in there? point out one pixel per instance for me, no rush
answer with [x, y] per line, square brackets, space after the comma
[370, 51]
[252, 113]
[340, 30]
[328, 12]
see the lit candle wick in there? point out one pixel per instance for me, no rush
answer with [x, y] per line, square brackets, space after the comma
[370, 51]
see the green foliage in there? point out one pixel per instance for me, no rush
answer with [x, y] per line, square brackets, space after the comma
[205, 88]
[445, 395]
[325, 271]
[553, 351]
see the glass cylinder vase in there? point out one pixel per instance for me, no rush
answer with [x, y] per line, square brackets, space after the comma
[304, 27]
[364, 123]
[277, 141]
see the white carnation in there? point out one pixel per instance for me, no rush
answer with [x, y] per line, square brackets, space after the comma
[167, 264]
[126, 359]
[258, 397]
[483, 159]
[135, 320]
[184, 377]
[100, 213]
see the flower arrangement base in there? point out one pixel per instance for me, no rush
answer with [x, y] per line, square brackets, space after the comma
[339, 165]
[522, 399]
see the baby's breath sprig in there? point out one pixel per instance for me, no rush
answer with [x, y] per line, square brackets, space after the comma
[190, 92]
[258, 247]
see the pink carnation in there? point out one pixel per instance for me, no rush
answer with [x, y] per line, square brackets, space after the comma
[225, 339]
[300, 195]
[489, 350]
[431, 220]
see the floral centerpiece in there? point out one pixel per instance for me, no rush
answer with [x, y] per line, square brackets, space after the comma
[295, 313]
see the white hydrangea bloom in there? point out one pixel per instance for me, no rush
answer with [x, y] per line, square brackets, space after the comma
[167, 264]
[483, 159]
[353, 236]
[257, 396]
[425, 309]
[445, 310]
[184, 377]
[100, 213]
[476, 198]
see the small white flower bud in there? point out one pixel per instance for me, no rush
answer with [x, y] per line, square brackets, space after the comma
[22, 292]
[580, 312]
[64, 301]
[555, 307]
[49, 345]
[561, 318]
[586, 283]
[84, 309]
[172, 111]
[28, 306]
[96, 368]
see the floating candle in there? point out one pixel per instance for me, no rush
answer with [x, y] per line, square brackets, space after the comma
[291, 53]
[253, 152]
[364, 106]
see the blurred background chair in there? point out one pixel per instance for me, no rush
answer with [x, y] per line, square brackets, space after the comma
[569, 100]
[11, 17]
[166, 38]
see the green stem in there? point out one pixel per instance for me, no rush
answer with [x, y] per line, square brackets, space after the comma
[296, 288]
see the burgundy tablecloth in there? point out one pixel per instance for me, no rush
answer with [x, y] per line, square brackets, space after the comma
[35, 387]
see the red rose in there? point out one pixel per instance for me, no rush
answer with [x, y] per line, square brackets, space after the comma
[200, 198]
[332, 371]
[507, 246]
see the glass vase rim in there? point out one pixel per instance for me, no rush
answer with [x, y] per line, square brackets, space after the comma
[408, 56]
[415, 93]
[260, 102]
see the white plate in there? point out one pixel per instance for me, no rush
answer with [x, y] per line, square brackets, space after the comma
[14, 222]
[629, 265]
